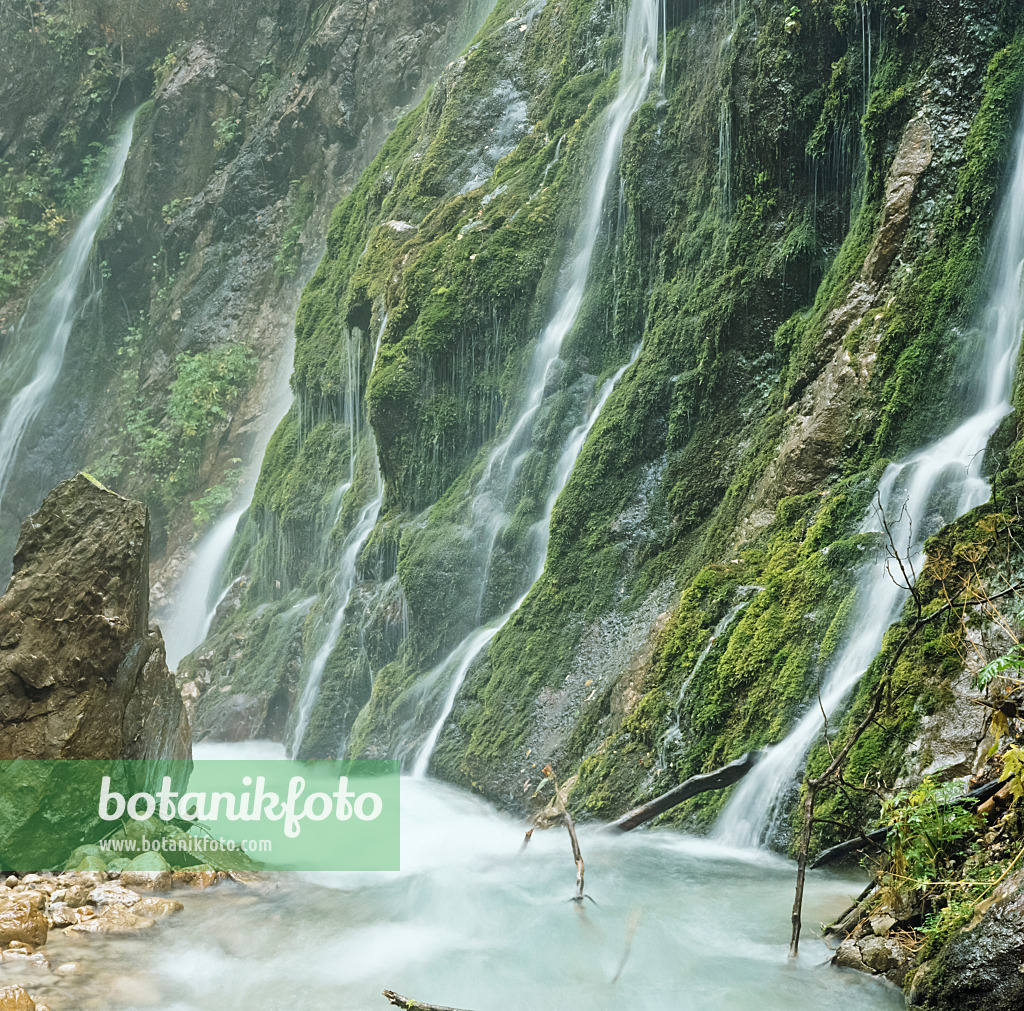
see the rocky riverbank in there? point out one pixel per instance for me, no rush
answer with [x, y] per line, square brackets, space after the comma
[45, 917]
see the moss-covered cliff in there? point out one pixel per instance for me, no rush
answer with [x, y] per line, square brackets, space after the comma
[805, 201]
[253, 119]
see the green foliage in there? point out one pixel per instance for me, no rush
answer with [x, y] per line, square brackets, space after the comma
[166, 443]
[171, 210]
[926, 832]
[36, 204]
[265, 86]
[1013, 771]
[227, 130]
[214, 500]
[1009, 665]
[300, 206]
[162, 68]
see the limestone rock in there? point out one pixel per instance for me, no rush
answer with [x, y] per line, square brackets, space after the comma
[81, 673]
[912, 158]
[980, 966]
[155, 908]
[14, 998]
[20, 921]
[149, 872]
[116, 919]
[200, 876]
[110, 893]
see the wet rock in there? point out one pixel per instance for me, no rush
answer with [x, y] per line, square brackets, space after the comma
[882, 924]
[21, 921]
[110, 893]
[78, 895]
[149, 872]
[116, 919]
[14, 998]
[912, 158]
[157, 909]
[200, 876]
[91, 863]
[234, 718]
[60, 915]
[880, 956]
[85, 677]
[980, 966]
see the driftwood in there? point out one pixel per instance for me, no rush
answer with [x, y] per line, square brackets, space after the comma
[877, 838]
[576, 854]
[416, 1005]
[717, 780]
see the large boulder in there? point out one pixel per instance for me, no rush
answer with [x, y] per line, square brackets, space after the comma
[980, 966]
[82, 674]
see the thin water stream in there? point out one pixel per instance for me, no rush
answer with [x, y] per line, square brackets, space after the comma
[917, 496]
[491, 507]
[31, 367]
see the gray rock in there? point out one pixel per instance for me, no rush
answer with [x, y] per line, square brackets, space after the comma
[82, 674]
[980, 967]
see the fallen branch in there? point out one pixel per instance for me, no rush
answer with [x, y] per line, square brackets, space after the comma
[576, 854]
[812, 786]
[716, 780]
[415, 1005]
[876, 838]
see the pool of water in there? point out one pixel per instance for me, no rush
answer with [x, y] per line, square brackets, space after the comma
[476, 922]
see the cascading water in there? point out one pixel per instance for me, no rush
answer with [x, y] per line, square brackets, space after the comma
[200, 591]
[917, 496]
[345, 580]
[462, 657]
[41, 337]
[639, 61]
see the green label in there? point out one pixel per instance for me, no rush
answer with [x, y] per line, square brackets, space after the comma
[272, 815]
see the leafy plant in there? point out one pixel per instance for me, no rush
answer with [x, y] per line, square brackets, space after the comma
[289, 253]
[163, 67]
[1002, 667]
[213, 502]
[265, 86]
[171, 210]
[226, 132]
[926, 831]
[1013, 771]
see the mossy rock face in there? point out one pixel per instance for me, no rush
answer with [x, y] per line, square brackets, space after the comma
[702, 555]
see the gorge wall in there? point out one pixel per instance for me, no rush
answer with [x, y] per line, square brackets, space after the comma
[253, 118]
[784, 288]
[798, 242]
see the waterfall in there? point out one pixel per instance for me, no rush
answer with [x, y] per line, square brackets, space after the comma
[193, 611]
[639, 61]
[462, 657]
[201, 591]
[41, 337]
[917, 495]
[345, 580]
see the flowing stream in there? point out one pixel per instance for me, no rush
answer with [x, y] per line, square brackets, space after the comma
[29, 371]
[200, 591]
[475, 922]
[917, 495]
[490, 503]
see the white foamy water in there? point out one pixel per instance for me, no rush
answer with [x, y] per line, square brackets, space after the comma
[917, 495]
